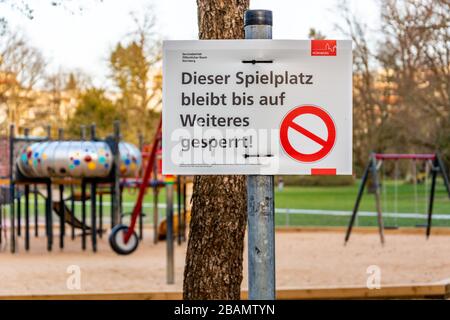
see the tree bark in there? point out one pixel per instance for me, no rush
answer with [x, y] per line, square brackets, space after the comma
[219, 212]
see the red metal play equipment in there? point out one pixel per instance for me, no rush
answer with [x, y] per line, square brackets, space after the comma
[123, 239]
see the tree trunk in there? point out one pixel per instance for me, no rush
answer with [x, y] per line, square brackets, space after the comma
[219, 212]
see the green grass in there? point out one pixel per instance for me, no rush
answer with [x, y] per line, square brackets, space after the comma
[341, 198]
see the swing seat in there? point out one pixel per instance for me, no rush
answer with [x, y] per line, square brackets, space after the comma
[125, 214]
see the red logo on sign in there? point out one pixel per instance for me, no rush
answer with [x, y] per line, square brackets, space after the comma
[323, 47]
[288, 123]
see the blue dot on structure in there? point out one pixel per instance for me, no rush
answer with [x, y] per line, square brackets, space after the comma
[76, 162]
[106, 165]
[36, 154]
[127, 162]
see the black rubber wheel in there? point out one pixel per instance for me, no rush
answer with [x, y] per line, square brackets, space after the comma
[117, 242]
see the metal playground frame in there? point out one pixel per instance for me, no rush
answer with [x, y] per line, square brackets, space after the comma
[375, 162]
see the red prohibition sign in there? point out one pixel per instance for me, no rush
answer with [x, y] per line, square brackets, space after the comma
[288, 123]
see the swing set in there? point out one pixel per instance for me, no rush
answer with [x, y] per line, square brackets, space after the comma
[432, 164]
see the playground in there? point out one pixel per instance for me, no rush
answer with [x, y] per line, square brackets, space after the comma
[239, 165]
[320, 261]
[78, 211]
[311, 222]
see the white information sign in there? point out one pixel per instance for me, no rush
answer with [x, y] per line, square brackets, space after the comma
[257, 107]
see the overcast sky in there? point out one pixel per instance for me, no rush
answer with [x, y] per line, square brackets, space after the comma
[84, 40]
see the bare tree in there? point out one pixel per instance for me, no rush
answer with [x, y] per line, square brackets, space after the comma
[372, 96]
[61, 90]
[26, 7]
[21, 69]
[134, 66]
[417, 51]
[402, 87]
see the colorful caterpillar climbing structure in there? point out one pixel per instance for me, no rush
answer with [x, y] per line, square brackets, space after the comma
[76, 159]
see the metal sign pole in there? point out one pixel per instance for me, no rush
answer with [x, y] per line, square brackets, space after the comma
[116, 201]
[12, 188]
[260, 193]
[169, 234]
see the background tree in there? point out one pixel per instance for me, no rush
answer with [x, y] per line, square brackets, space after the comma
[94, 107]
[401, 82]
[29, 97]
[370, 113]
[416, 52]
[26, 7]
[219, 212]
[22, 67]
[134, 68]
[61, 90]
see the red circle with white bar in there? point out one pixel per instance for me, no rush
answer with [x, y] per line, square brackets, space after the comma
[288, 123]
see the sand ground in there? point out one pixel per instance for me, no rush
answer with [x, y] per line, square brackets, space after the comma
[303, 260]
